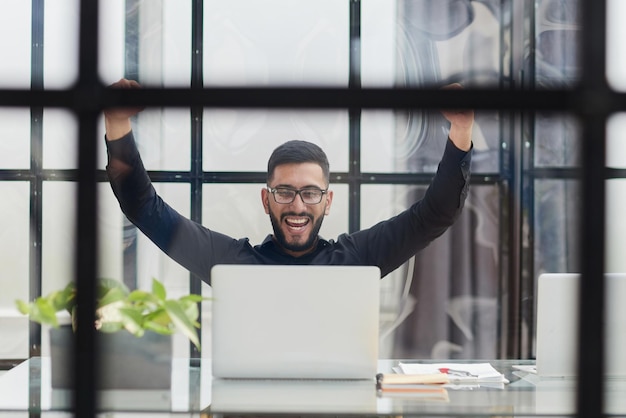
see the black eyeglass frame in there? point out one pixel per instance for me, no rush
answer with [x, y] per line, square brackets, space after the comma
[297, 192]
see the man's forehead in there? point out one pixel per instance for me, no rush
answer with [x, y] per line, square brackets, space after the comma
[298, 172]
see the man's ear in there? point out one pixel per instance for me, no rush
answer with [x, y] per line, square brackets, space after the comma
[265, 195]
[329, 201]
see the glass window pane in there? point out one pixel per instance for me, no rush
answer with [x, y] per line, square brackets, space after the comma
[60, 139]
[615, 38]
[147, 41]
[464, 295]
[14, 271]
[616, 222]
[557, 141]
[556, 226]
[378, 43]
[242, 140]
[14, 138]
[112, 40]
[164, 138]
[15, 19]
[58, 234]
[413, 142]
[450, 41]
[177, 53]
[557, 29]
[616, 141]
[276, 42]
[61, 39]
[615, 194]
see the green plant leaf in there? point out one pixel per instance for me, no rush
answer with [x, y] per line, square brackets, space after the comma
[142, 296]
[110, 327]
[158, 289]
[117, 308]
[43, 312]
[105, 284]
[70, 292]
[133, 320]
[182, 322]
[111, 296]
[161, 317]
[158, 328]
[191, 311]
[193, 298]
[23, 307]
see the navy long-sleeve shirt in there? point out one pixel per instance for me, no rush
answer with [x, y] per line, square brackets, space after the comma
[387, 244]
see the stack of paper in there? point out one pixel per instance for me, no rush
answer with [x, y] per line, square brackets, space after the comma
[416, 376]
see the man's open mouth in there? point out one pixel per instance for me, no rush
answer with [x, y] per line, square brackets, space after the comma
[297, 222]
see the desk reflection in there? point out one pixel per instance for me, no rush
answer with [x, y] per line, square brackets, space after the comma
[293, 396]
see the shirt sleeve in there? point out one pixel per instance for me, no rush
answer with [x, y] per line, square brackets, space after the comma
[187, 242]
[392, 242]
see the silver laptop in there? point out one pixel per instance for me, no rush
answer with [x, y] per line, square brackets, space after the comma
[557, 324]
[302, 322]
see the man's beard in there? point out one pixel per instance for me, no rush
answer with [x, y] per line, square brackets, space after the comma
[296, 247]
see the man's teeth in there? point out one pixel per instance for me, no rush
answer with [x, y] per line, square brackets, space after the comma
[297, 222]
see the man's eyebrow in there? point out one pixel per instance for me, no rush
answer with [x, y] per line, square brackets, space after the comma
[289, 186]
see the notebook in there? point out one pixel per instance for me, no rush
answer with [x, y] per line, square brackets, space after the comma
[295, 322]
[557, 324]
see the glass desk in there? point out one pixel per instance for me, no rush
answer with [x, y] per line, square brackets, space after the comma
[25, 390]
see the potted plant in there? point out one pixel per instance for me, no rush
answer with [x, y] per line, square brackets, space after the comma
[134, 337]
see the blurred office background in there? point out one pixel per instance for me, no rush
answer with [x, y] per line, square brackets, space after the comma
[469, 295]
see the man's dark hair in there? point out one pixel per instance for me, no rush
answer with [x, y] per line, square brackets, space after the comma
[297, 152]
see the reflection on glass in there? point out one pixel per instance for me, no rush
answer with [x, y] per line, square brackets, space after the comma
[451, 296]
[430, 44]
[557, 227]
[557, 141]
[557, 28]
[450, 41]
[413, 142]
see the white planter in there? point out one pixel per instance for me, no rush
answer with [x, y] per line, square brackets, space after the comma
[127, 362]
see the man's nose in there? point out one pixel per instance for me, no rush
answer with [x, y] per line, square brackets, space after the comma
[298, 202]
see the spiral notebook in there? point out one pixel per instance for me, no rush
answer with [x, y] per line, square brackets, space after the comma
[302, 322]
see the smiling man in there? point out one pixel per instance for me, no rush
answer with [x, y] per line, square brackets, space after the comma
[296, 198]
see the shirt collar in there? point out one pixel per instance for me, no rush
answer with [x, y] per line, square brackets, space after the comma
[268, 243]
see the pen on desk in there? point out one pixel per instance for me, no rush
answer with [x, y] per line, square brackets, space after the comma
[454, 372]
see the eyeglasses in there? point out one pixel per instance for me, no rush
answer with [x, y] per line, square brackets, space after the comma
[309, 195]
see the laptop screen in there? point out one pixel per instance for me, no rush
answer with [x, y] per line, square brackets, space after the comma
[557, 324]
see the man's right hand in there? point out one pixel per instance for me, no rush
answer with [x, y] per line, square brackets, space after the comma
[117, 120]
